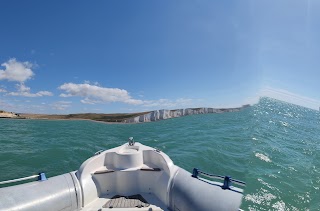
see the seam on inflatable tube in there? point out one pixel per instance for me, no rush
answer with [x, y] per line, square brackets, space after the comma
[170, 186]
[76, 189]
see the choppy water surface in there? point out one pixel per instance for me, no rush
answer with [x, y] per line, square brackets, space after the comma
[284, 167]
[273, 146]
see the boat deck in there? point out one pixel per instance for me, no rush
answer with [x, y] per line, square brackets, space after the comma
[100, 204]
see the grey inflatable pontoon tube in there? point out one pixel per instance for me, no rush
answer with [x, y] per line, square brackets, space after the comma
[57, 193]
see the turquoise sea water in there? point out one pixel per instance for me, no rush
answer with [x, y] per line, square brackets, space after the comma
[273, 146]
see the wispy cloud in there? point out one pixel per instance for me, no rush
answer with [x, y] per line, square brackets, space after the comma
[93, 94]
[61, 105]
[285, 95]
[166, 103]
[3, 90]
[16, 71]
[89, 101]
[6, 105]
[24, 91]
[92, 83]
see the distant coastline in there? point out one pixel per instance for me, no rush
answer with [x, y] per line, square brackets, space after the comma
[168, 114]
[140, 117]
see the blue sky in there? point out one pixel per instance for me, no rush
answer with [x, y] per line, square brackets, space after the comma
[128, 56]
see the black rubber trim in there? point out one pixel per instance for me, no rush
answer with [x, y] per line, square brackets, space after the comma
[150, 169]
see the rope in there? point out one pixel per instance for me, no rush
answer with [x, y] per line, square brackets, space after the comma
[19, 179]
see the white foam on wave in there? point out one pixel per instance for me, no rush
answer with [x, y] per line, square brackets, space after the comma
[266, 199]
[268, 185]
[263, 197]
[280, 205]
[291, 168]
[286, 124]
[263, 157]
[272, 175]
[305, 197]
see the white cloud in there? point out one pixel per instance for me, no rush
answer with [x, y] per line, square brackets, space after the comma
[23, 88]
[16, 71]
[284, 95]
[20, 72]
[24, 91]
[93, 94]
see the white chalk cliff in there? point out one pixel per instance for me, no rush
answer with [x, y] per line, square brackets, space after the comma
[167, 114]
[4, 114]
